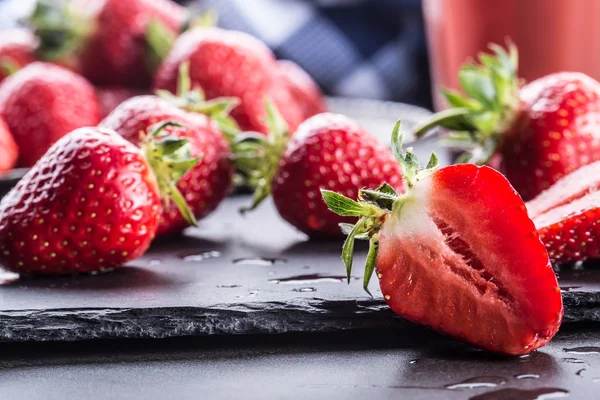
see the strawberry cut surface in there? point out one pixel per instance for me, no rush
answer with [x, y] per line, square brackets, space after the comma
[567, 215]
[462, 256]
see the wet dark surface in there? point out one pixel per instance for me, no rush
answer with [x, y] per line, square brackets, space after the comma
[232, 275]
[411, 363]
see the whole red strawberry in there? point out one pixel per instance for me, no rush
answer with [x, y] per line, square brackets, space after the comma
[104, 40]
[41, 103]
[328, 151]
[230, 63]
[540, 133]
[303, 88]
[567, 214]
[8, 148]
[447, 258]
[17, 49]
[111, 96]
[91, 203]
[205, 185]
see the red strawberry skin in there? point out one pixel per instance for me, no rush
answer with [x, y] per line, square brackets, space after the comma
[567, 214]
[9, 151]
[329, 151]
[557, 132]
[89, 204]
[203, 186]
[303, 88]
[17, 47]
[41, 103]
[230, 63]
[464, 258]
[114, 52]
[110, 97]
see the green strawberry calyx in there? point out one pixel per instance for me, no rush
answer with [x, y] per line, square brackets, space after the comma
[61, 29]
[374, 206]
[169, 158]
[160, 39]
[194, 100]
[8, 66]
[257, 156]
[479, 120]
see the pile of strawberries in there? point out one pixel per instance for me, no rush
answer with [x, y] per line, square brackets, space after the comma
[114, 166]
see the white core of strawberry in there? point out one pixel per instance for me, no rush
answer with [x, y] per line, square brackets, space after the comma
[410, 213]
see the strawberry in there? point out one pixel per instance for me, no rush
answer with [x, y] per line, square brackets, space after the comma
[205, 185]
[303, 88]
[538, 133]
[17, 49]
[91, 203]
[41, 103]
[104, 40]
[230, 63]
[567, 214]
[8, 148]
[327, 151]
[446, 257]
[111, 96]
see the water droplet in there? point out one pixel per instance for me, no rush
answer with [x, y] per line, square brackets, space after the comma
[312, 278]
[154, 261]
[596, 380]
[522, 394]
[253, 293]
[583, 350]
[527, 376]
[574, 361]
[228, 286]
[478, 382]
[305, 289]
[580, 372]
[259, 261]
[7, 277]
[413, 361]
[569, 288]
[201, 256]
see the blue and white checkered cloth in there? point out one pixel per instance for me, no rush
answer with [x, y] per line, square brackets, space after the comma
[356, 48]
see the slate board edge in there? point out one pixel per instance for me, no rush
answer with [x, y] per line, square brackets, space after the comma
[297, 316]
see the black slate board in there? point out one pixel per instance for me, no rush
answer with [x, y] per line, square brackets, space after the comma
[232, 275]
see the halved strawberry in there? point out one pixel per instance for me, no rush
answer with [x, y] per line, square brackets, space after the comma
[457, 252]
[567, 215]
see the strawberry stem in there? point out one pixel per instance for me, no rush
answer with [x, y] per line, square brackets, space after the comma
[169, 158]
